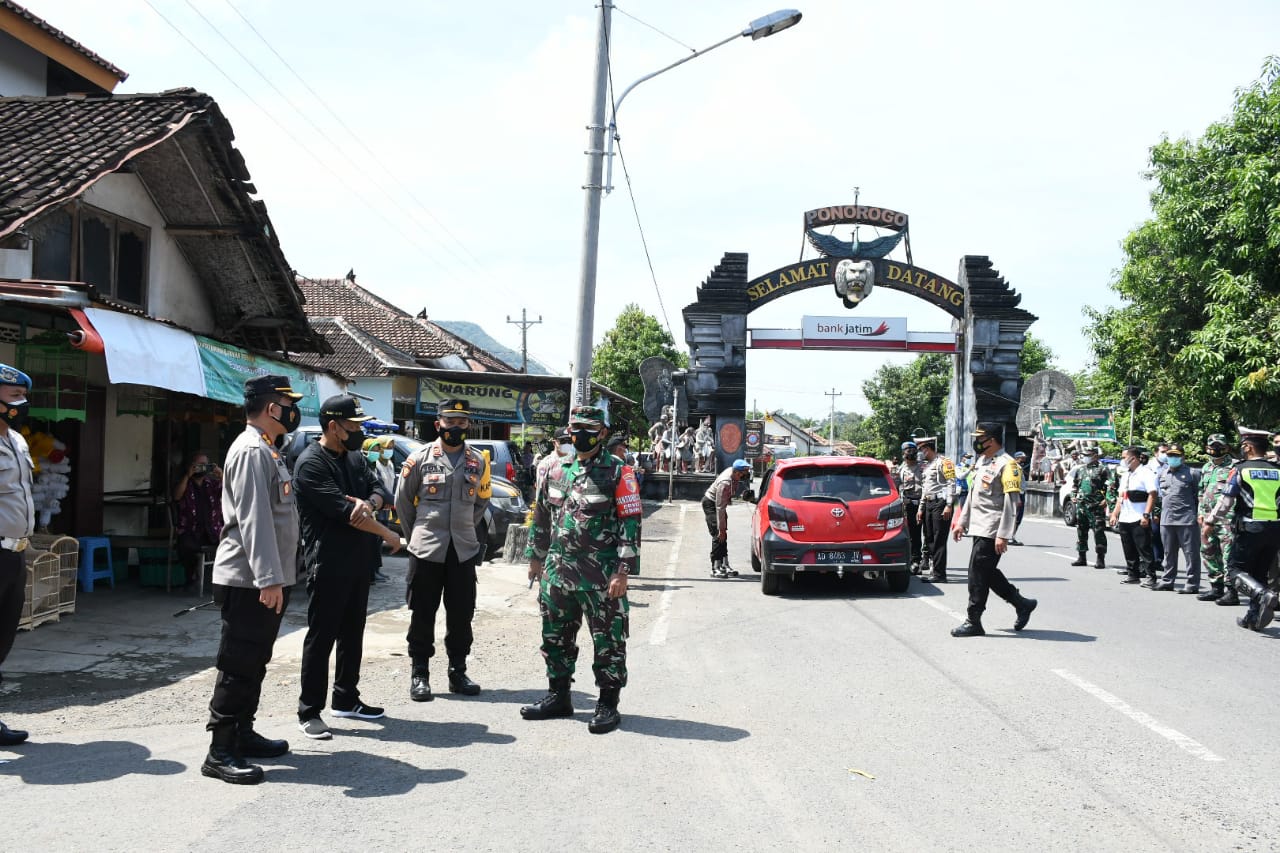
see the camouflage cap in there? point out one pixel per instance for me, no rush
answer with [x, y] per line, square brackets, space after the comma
[1216, 438]
[588, 416]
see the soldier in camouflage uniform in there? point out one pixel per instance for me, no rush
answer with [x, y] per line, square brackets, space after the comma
[584, 543]
[1215, 548]
[1089, 497]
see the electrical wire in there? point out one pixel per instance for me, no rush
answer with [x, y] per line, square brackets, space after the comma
[303, 146]
[608, 55]
[350, 132]
[616, 8]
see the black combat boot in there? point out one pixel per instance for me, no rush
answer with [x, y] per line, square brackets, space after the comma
[1080, 560]
[224, 760]
[1023, 607]
[254, 745]
[1228, 597]
[1250, 619]
[1213, 593]
[420, 683]
[557, 703]
[1101, 562]
[458, 680]
[1131, 577]
[970, 628]
[606, 718]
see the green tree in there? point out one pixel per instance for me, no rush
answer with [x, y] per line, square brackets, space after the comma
[615, 363]
[902, 398]
[1200, 283]
[1036, 356]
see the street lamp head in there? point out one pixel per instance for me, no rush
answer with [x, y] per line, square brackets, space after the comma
[774, 22]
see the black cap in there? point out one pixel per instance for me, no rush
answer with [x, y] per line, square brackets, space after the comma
[989, 430]
[343, 407]
[455, 406]
[272, 383]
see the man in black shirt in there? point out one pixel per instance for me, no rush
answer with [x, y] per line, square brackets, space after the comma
[338, 495]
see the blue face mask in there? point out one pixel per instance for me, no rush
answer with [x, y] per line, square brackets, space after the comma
[1175, 461]
[373, 456]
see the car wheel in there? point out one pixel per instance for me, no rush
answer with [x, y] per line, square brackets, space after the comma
[898, 581]
[769, 583]
[755, 562]
[1069, 512]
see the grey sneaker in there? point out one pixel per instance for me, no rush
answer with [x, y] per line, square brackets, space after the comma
[315, 729]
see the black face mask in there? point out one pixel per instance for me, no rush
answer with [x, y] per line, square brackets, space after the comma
[979, 444]
[290, 418]
[909, 455]
[14, 414]
[454, 436]
[585, 442]
[354, 440]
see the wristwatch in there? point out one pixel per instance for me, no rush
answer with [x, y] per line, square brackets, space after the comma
[1147, 515]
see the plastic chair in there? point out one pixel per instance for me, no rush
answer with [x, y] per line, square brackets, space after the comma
[89, 570]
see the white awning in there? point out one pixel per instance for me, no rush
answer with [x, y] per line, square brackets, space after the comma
[143, 352]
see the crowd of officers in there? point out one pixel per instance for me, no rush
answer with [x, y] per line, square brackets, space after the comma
[1222, 519]
[584, 543]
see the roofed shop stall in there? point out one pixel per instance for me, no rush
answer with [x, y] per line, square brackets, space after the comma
[140, 283]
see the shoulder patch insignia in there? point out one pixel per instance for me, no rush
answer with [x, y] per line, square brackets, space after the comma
[627, 495]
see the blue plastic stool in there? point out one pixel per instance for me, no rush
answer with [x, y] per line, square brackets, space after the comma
[89, 571]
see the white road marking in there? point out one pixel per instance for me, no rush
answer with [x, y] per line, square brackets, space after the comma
[1063, 556]
[659, 634]
[959, 617]
[1194, 747]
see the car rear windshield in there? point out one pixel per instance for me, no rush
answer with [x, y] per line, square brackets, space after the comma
[852, 483]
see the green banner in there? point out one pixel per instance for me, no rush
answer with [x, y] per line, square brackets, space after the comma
[493, 401]
[226, 367]
[1090, 424]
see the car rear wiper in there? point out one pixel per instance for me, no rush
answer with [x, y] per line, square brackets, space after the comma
[827, 498]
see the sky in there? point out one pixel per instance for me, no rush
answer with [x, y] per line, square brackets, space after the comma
[436, 148]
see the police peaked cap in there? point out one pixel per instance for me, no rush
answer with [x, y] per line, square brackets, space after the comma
[272, 383]
[455, 406]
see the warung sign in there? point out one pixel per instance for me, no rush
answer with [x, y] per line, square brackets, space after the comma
[855, 332]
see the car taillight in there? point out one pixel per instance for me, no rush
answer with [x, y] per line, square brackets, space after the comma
[782, 519]
[892, 516]
[511, 472]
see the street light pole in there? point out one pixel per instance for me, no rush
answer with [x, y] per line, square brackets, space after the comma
[580, 386]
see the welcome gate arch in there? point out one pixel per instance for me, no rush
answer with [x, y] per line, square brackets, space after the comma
[989, 326]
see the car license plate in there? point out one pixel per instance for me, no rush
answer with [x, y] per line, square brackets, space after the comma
[836, 556]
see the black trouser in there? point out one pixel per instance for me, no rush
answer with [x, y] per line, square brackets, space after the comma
[1252, 552]
[336, 614]
[935, 531]
[912, 506]
[455, 581]
[1157, 544]
[248, 634]
[719, 547]
[985, 577]
[13, 594]
[1136, 542]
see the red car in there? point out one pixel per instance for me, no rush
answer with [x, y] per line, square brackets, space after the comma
[839, 514]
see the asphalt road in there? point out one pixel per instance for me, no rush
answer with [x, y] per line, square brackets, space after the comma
[836, 715]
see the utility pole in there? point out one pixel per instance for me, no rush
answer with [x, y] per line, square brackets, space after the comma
[831, 429]
[524, 323]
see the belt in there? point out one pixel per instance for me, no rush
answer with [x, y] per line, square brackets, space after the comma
[14, 544]
[935, 497]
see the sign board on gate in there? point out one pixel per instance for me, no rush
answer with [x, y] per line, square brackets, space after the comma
[1089, 424]
[754, 439]
[855, 332]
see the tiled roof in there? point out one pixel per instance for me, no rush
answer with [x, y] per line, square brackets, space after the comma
[58, 34]
[178, 143]
[384, 322]
[354, 353]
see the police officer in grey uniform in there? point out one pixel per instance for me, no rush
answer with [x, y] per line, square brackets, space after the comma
[990, 516]
[443, 494]
[937, 495]
[254, 568]
[17, 515]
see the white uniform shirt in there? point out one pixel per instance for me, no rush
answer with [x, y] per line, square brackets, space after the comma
[1142, 479]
